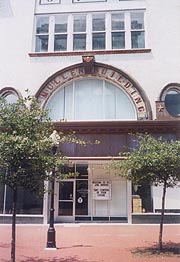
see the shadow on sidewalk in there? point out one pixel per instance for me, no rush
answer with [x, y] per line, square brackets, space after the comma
[170, 249]
[55, 259]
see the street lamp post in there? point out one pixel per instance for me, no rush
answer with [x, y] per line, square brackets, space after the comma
[51, 234]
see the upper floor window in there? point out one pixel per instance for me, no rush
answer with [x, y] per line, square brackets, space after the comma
[96, 31]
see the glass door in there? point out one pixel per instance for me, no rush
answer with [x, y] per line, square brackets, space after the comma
[81, 198]
[66, 200]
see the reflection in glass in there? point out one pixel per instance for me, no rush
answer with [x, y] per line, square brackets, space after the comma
[42, 25]
[98, 41]
[27, 202]
[118, 40]
[172, 102]
[98, 22]
[137, 21]
[137, 39]
[79, 23]
[61, 24]
[79, 42]
[41, 43]
[117, 21]
[60, 42]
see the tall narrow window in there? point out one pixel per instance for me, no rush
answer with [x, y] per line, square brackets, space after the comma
[79, 35]
[118, 33]
[98, 35]
[60, 36]
[137, 30]
[42, 34]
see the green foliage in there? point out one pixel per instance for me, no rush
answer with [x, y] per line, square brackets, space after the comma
[155, 161]
[25, 144]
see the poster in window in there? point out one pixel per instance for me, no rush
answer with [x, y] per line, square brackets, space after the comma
[101, 190]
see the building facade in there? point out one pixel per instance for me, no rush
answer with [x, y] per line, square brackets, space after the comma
[105, 69]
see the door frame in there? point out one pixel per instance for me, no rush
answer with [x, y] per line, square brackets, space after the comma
[60, 218]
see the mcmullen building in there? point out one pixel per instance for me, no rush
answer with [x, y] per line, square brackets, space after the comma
[105, 69]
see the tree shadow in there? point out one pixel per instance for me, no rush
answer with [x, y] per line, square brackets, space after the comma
[170, 249]
[74, 246]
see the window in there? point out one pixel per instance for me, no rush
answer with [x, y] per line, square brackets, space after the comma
[10, 94]
[90, 99]
[170, 97]
[27, 202]
[60, 35]
[96, 31]
[42, 34]
[172, 102]
[137, 30]
[118, 31]
[79, 35]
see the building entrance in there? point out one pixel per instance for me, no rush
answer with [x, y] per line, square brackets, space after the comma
[72, 199]
[93, 193]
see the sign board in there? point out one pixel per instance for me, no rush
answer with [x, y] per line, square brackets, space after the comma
[48, 2]
[101, 190]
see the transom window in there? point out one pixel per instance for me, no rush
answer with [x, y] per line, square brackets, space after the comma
[90, 99]
[97, 31]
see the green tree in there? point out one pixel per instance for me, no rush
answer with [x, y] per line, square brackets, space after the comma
[155, 162]
[26, 158]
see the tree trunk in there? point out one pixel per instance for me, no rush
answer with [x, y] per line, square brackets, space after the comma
[13, 240]
[162, 218]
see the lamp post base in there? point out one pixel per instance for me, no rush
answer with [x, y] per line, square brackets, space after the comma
[51, 236]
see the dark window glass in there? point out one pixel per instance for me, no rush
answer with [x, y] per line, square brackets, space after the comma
[65, 209]
[141, 199]
[137, 39]
[98, 41]
[98, 22]
[60, 42]
[42, 43]
[42, 25]
[27, 202]
[118, 40]
[79, 42]
[172, 102]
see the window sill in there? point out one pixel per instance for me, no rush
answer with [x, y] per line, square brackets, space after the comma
[87, 53]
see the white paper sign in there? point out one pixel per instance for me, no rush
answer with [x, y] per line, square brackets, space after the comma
[48, 2]
[101, 190]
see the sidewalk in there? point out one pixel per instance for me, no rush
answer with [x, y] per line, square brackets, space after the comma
[86, 242]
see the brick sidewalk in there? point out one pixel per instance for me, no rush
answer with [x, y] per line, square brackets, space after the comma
[86, 242]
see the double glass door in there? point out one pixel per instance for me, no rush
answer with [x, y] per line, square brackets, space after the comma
[73, 199]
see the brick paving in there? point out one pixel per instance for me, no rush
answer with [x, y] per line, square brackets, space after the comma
[86, 242]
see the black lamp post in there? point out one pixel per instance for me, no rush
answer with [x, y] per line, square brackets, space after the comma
[51, 234]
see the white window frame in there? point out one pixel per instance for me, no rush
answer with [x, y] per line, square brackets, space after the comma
[89, 32]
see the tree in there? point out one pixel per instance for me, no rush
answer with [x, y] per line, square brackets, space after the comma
[26, 158]
[154, 162]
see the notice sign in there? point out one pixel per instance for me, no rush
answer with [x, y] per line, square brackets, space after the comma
[101, 190]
